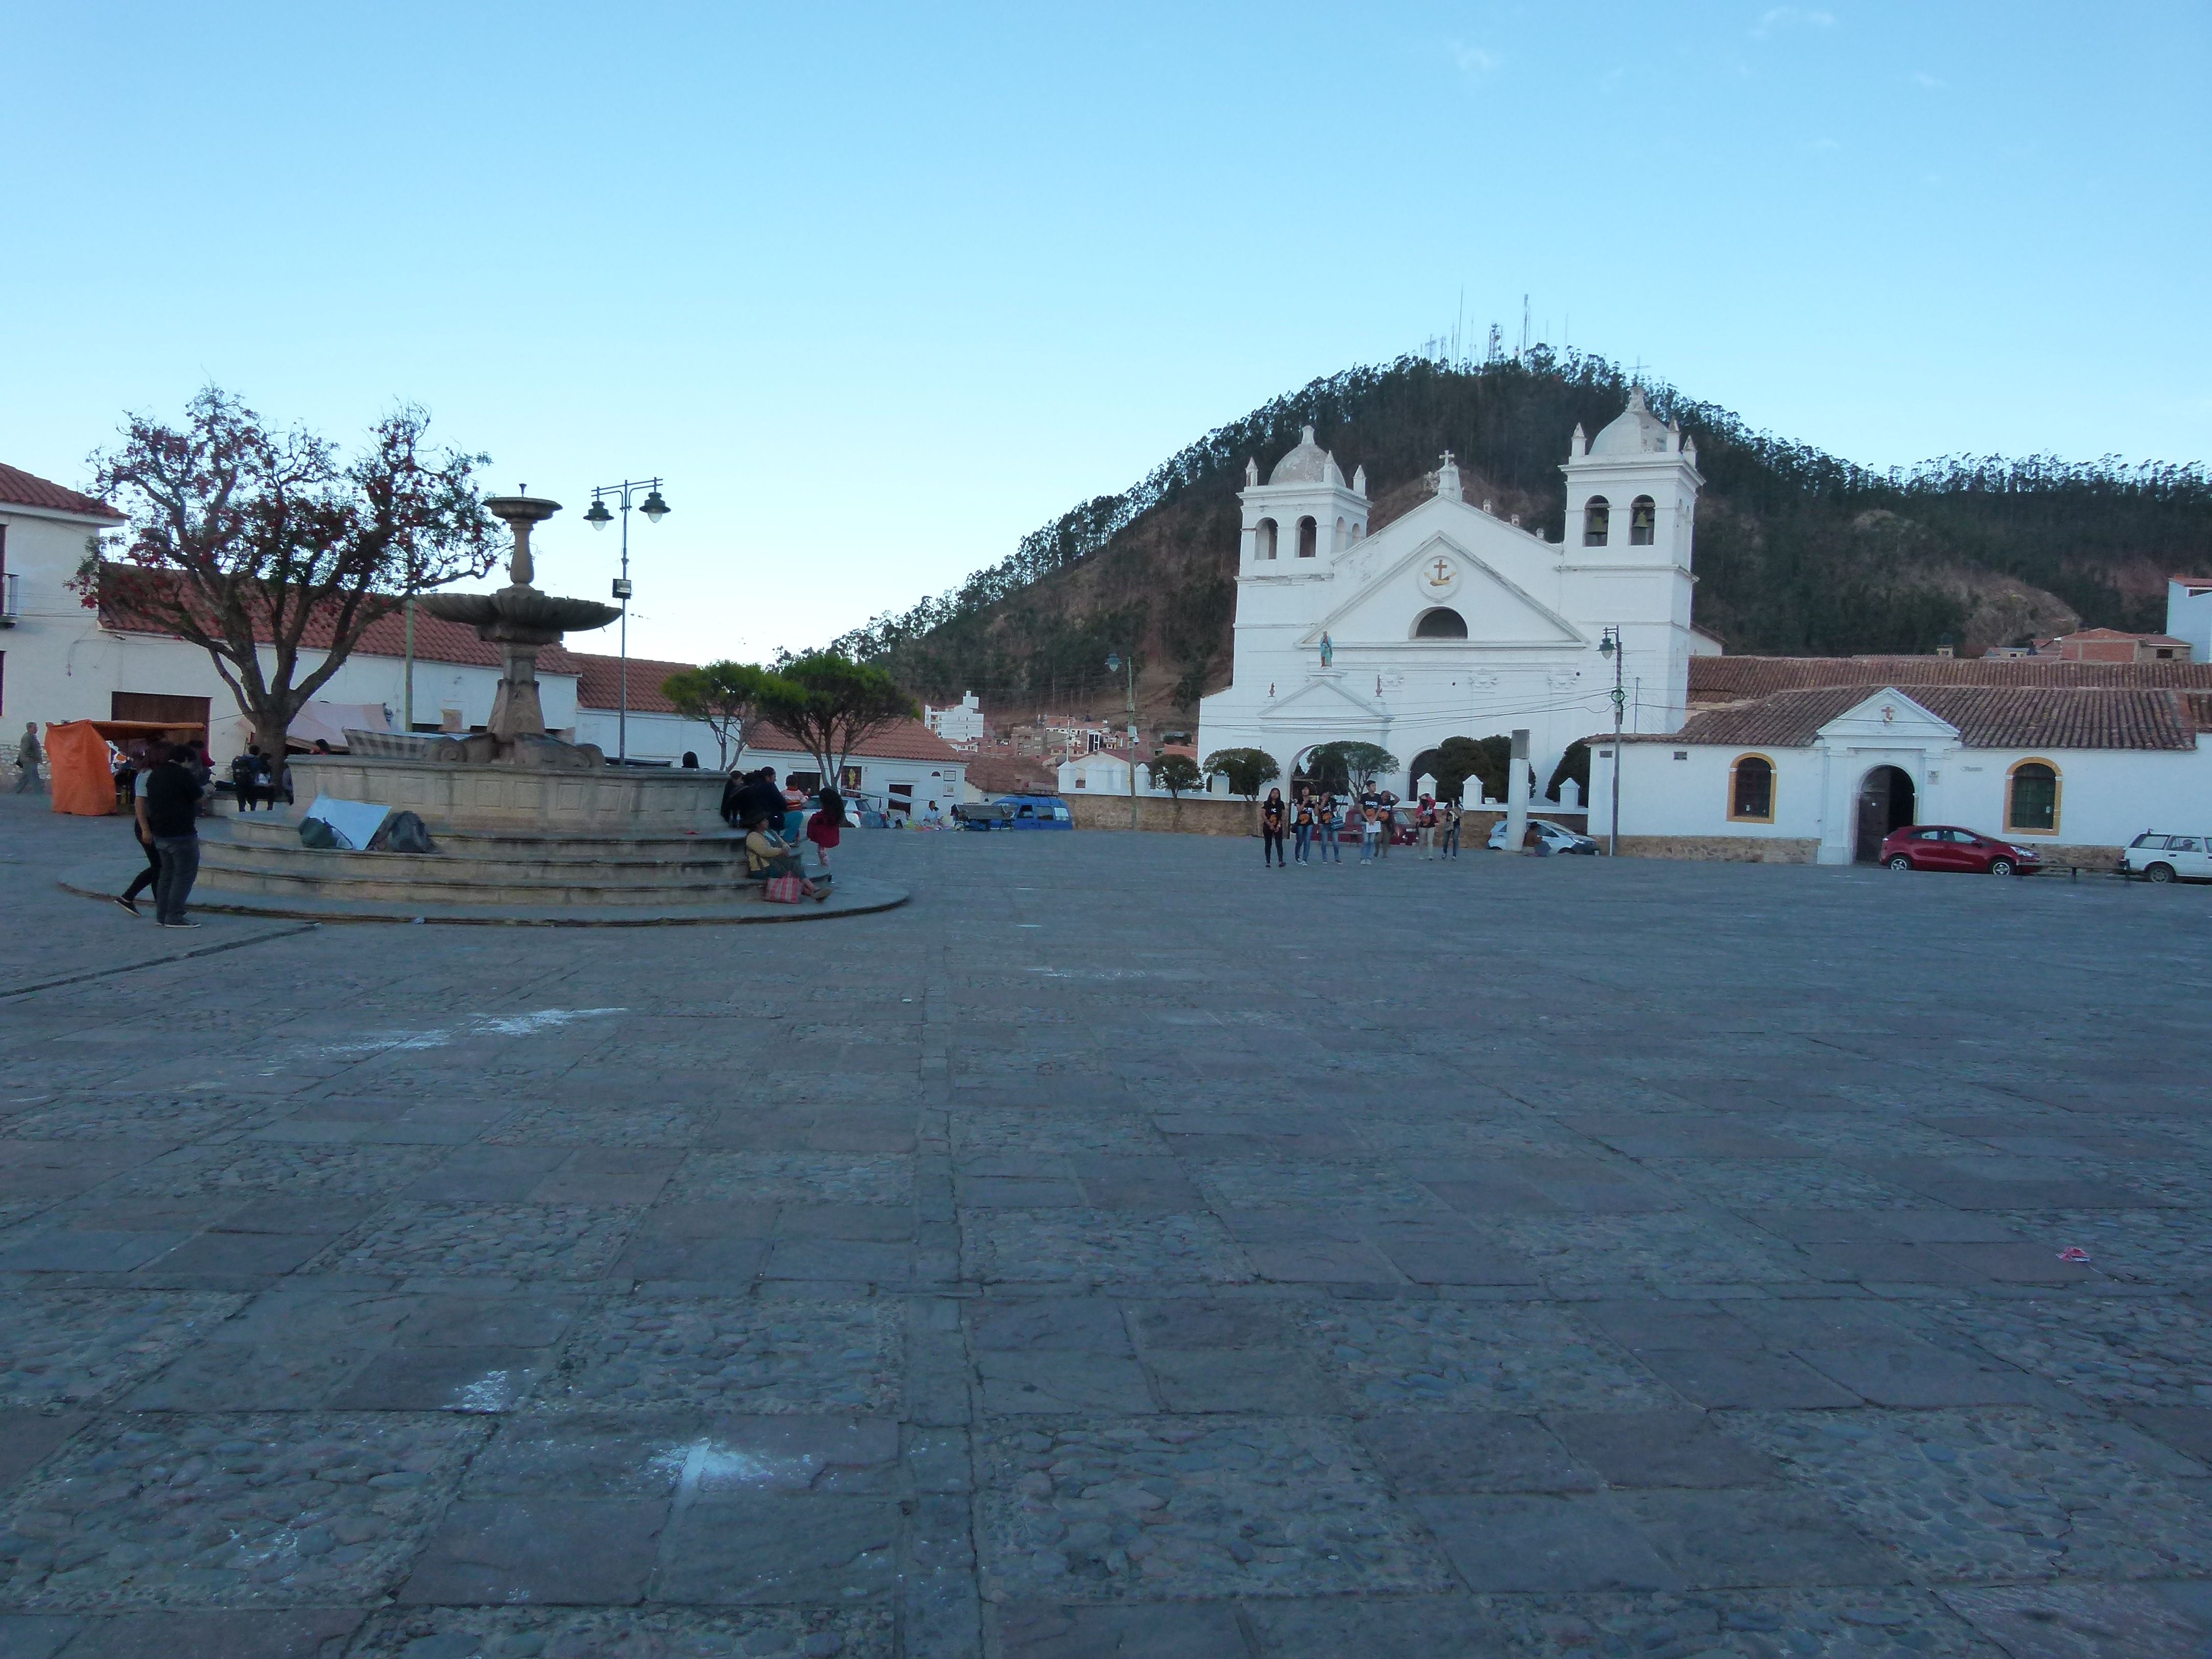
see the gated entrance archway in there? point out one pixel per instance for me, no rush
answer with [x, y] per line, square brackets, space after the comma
[1885, 804]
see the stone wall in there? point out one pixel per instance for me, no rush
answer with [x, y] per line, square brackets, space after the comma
[1727, 849]
[1200, 816]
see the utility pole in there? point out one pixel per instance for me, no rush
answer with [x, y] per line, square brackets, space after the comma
[407, 698]
[1114, 660]
[1610, 646]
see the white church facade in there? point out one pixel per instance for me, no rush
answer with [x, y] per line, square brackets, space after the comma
[1452, 621]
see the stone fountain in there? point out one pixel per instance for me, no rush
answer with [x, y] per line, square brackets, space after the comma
[521, 621]
[528, 828]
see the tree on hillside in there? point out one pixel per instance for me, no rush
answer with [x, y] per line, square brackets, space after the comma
[831, 705]
[272, 553]
[1174, 773]
[1247, 771]
[1357, 763]
[722, 695]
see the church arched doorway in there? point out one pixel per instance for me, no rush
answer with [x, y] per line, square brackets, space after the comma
[1885, 801]
[1428, 763]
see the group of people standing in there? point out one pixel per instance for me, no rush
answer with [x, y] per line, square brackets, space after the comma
[1316, 823]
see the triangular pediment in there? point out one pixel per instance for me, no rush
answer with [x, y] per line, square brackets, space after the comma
[1440, 570]
[1888, 716]
[1324, 695]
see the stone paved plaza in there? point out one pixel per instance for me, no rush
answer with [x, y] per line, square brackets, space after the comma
[1120, 1250]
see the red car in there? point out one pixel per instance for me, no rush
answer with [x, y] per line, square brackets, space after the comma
[1947, 846]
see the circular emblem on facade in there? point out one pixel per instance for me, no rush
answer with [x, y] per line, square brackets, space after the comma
[1439, 576]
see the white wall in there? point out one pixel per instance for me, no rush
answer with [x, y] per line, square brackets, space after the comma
[2107, 797]
[653, 737]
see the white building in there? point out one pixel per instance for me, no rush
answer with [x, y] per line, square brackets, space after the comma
[1813, 759]
[961, 726]
[1450, 621]
[1107, 773]
[907, 766]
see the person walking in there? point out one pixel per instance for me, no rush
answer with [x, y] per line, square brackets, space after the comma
[1273, 817]
[1325, 820]
[1370, 832]
[168, 797]
[28, 754]
[1302, 829]
[1449, 810]
[128, 898]
[828, 819]
[1424, 825]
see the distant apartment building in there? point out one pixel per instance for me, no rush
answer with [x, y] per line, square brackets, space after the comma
[961, 725]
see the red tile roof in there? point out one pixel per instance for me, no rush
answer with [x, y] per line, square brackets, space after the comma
[124, 610]
[22, 489]
[1727, 679]
[907, 741]
[598, 682]
[1987, 717]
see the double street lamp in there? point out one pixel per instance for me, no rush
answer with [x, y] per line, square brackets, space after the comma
[599, 518]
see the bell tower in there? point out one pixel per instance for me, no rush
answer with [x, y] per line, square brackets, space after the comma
[1633, 491]
[1302, 517]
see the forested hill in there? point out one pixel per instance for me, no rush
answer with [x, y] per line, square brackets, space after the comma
[1798, 552]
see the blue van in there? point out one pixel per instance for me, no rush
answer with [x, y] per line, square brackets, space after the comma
[1016, 812]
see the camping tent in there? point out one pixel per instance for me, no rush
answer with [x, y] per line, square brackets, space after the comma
[325, 720]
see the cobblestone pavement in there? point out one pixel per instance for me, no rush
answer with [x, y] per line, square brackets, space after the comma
[1122, 1250]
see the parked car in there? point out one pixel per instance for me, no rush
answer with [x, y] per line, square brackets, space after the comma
[2157, 856]
[1555, 837]
[1016, 812]
[1947, 846]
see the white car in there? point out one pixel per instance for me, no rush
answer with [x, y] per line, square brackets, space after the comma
[1557, 838]
[2156, 856]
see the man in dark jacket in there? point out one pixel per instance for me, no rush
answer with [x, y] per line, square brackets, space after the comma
[168, 799]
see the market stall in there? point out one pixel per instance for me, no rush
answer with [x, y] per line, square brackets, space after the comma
[82, 765]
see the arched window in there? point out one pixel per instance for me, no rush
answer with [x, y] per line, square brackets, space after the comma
[1263, 539]
[1359, 529]
[1309, 538]
[2032, 798]
[1597, 520]
[1751, 790]
[1642, 521]
[1337, 546]
[1441, 623]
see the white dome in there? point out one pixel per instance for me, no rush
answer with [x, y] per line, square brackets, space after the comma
[1635, 431]
[1308, 464]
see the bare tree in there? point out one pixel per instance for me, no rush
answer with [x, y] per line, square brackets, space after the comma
[271, 553]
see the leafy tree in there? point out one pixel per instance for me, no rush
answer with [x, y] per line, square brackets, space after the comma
[1174, 773]
[831, 705]
[722, 695]
[1575, 764]
[1489, 759]
[272, 553]
[1358, 763]
[1458, 759]
[1247, 771]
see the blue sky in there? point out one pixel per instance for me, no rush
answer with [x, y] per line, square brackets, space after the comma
[879, 289]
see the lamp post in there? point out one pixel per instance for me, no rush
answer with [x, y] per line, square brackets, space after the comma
[599, 518]
[1610, 646]
[1114, 665]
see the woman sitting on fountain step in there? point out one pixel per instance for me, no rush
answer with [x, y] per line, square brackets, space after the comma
[768, 855]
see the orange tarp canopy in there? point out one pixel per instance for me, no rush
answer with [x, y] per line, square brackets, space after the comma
[77, 754]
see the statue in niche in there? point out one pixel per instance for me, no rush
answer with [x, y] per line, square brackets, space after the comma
[1328, 649]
